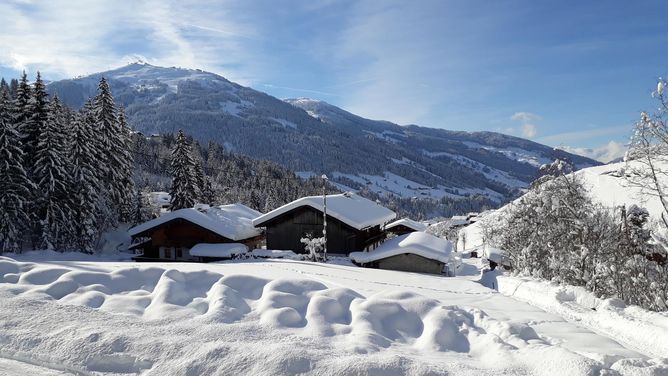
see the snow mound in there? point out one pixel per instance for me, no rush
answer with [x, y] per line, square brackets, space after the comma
[222, 250]
[164, 321]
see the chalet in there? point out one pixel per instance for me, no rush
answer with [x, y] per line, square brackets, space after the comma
[404, 226]
[197, 234]
[417, 252]
[354, 223]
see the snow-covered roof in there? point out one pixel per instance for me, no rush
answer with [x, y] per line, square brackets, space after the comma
[415, 225]
[459, 220]
[231, 221]
[417, 243]
[222, 250]
[349, 208]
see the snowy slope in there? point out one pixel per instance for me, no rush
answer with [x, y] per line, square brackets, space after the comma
[286, 317]
[308, 135]
[606, 185]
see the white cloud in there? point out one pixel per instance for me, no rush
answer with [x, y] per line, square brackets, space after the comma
[529, 130]
[525, 117]
[527, 127]
[585, 134]
[65, 38]
[606, 153]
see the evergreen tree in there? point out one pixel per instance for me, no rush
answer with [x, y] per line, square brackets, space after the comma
[4, 87]
[15, 187]
[21, 114]
[53, 181]
[85, 184]
[13, 87]
[184, 185]
[38, 112]
[122, 163]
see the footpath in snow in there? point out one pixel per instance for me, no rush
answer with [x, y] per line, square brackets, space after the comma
[285, 317]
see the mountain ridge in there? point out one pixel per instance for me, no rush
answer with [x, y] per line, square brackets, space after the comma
[312, 136]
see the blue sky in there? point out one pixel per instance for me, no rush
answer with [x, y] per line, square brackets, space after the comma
[565, 73]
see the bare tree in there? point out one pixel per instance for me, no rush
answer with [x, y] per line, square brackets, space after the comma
[647, 159]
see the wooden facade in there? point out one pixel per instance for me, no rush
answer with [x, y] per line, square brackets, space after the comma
[408, 262]
[286, 231]
[171, 241]
[400, 230]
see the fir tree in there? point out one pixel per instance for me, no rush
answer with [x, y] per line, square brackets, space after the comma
[38, 112]
[15, 187]
[85, 184]
[184, 185]
[21, 113]
[13, 87]
[53, 181]
[122, 163]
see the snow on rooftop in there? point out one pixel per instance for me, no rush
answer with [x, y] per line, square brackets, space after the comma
[349, 208]
[417, 243]
[415, 225]
[232, 221]
[222, 250]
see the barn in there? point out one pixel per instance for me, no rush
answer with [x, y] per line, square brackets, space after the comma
[175, 236]
[404, 226]
[354, 223]
[417, 252]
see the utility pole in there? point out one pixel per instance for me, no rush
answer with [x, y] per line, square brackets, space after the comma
[324, 212]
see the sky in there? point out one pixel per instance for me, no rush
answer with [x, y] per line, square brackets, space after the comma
[566, 73]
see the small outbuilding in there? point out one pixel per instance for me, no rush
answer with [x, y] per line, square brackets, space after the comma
[404, 226]
[354, 223]
[175, 236]
[413, 252]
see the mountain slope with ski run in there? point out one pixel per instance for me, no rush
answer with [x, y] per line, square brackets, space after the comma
[314, 137]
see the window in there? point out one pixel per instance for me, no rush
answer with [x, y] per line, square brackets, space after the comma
[167, 253]
[179, 253]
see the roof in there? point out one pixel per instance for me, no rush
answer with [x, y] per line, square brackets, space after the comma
[231, 221]
[459, 220]
[415, 225]
[222, 250]
[417, 243]
[349, 208]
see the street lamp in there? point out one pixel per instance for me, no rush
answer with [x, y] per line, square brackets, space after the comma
[324, 212]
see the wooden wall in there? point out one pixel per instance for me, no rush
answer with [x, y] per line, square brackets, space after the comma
[286, 231]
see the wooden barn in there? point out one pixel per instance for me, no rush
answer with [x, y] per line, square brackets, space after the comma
[417, 252]
[172, 236]
[354, 223]
[404, 226]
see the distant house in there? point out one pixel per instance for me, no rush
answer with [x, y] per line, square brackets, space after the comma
[354, 223]
[413, 252]
[404, 226]
[192, 234]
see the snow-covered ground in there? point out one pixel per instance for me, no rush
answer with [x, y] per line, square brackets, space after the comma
[287, 317]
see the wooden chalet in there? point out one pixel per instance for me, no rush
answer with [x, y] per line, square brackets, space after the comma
[354, 223]
[171, 236]
[416, 252]
[404, 226]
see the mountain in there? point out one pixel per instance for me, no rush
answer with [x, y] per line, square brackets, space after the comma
[314, 137]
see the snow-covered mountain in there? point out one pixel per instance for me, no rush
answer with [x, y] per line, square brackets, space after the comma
[314, 137]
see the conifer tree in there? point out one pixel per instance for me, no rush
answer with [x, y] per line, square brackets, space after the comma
[13, 87]
[21, 113]
[122, 163]
[184, 185]
[53, 181]
[38, 112]
[85, 184]
[15, 187]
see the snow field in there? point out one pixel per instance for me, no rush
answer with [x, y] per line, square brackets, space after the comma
[640, 329]
[187, 319]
